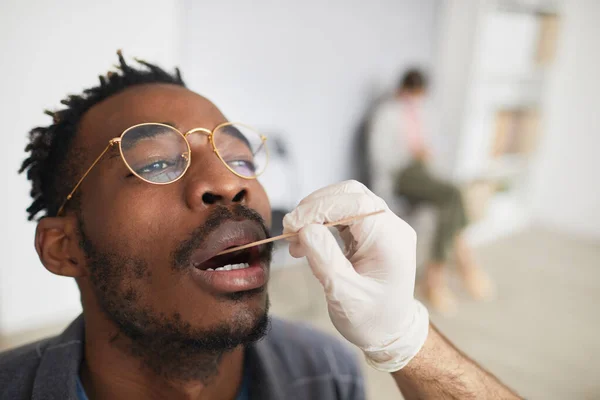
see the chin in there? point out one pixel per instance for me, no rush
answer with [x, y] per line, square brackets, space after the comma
[241, 310]
[248, 305]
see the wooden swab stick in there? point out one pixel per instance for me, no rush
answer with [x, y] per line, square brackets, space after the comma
[288, 235]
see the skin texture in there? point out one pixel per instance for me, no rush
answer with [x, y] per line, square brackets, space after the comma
[144, 315]
[441, 371]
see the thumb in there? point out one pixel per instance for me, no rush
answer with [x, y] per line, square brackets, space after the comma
[324, 255]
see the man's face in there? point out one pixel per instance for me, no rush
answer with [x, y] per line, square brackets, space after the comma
[147, 245]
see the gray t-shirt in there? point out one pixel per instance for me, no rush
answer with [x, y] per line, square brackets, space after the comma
[292, 362]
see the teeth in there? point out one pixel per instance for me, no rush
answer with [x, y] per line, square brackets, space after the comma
[230, 267]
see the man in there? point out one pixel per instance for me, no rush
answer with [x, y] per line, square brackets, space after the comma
[400, 159]
[140, 224]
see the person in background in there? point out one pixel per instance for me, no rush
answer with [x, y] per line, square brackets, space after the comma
[400, 166]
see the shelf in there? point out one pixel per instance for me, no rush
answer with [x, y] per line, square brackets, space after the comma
[535, 77]
[506, 166]
[535, 7]
[504, 216]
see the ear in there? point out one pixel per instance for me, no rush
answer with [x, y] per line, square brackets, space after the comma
[57, 245]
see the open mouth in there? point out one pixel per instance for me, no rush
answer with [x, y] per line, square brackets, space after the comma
[233, 261]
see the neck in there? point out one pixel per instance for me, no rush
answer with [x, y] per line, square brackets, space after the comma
[115, 367]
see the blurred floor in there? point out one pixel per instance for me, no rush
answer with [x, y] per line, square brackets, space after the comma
[539, 335]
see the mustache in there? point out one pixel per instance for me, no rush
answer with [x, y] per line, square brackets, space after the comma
[181, 256]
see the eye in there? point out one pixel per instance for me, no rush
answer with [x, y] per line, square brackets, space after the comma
[154, 167]
[159, 170]
[243, 167]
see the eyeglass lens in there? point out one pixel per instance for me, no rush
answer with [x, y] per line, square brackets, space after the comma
[242, 149]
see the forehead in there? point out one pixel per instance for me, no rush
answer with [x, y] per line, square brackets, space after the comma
[146, 103]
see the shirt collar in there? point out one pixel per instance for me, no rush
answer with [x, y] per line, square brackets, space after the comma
[63, 354]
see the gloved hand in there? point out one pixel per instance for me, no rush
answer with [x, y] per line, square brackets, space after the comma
[369, 287]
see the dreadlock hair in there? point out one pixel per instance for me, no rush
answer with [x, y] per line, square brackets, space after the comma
[50, 166]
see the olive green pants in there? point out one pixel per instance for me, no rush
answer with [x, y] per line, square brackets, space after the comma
[419, 186]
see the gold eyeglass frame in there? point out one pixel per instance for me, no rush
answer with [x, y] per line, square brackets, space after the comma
[187, 155]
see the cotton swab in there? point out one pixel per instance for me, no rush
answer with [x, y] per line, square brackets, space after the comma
[288, 235]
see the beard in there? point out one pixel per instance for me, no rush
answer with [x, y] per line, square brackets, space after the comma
[168, 345]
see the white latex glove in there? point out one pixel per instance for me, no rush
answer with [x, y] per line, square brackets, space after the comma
[370, 287]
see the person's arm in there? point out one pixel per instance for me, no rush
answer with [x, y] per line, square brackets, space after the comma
[441, 371]
[369, 289]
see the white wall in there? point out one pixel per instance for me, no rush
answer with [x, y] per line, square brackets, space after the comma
[306, 69]
[50, 49]
[566, 189]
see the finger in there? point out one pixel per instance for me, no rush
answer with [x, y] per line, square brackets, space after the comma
[350, 186]
[325, 257]
[297, 250]
[325, 210]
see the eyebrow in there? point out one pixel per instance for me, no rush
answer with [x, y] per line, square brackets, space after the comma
[171, 124]
[232, 131]
[111, 155]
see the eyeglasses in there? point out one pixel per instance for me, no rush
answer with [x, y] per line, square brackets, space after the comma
[160, 154]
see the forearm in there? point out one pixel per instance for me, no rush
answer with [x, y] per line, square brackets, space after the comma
[440, 371]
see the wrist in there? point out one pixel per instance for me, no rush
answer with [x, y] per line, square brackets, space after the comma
[396, 354]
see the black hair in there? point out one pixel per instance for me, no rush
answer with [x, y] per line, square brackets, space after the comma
[413, 79]
[52, 163]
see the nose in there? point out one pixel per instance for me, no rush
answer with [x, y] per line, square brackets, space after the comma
[210, 183]
[210, 198]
